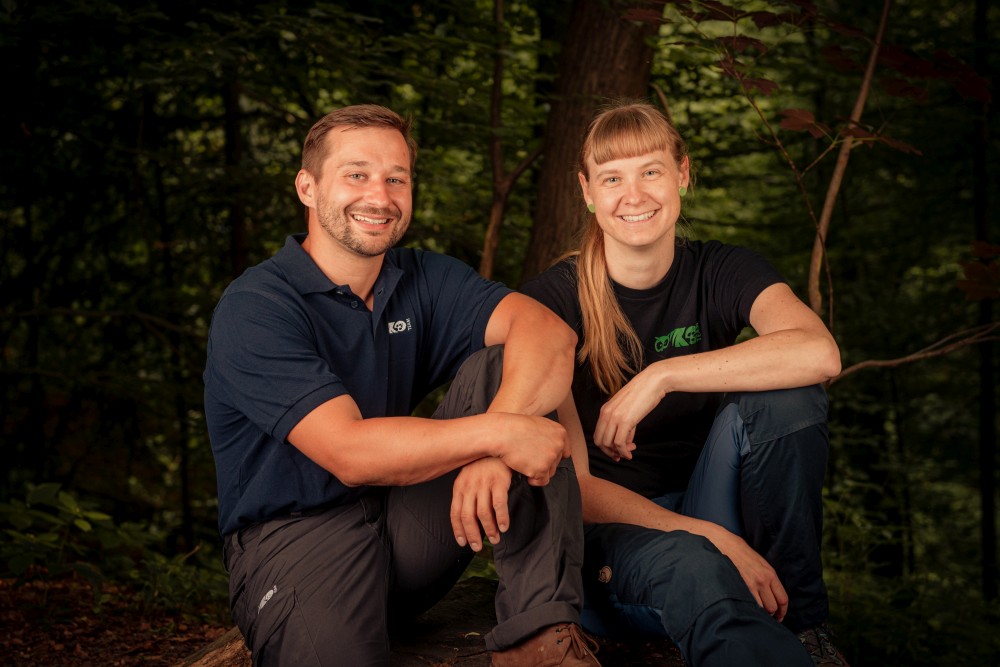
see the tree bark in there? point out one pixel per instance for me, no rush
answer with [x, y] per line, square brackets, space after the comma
[987, 374]
[607, 55]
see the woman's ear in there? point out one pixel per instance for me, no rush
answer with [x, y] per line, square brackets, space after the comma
[584, 188]
[684, 180]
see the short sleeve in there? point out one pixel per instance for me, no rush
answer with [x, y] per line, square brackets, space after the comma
[556, 288]
[458, 303]
[263, 362]
[739, 277]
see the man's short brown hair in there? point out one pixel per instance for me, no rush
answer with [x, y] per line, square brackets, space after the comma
[357, 116]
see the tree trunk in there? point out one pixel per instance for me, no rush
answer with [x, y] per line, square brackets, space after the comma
[239, 253]
[607, 55]
[987, 377]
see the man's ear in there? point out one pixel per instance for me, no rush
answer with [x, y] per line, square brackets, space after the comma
[305, 187]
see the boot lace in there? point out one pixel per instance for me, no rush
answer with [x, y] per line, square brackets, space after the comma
[580, 642]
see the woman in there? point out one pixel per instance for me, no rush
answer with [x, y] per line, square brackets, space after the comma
[700, 461]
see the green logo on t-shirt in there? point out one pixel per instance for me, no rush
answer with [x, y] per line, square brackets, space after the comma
[679, 337]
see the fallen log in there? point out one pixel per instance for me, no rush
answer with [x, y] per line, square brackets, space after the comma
[451, 635]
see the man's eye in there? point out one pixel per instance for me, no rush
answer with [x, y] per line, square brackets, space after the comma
[355, 177]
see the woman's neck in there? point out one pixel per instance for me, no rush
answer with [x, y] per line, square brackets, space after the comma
[639, 268]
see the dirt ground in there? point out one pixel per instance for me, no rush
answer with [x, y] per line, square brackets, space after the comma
[54, 623]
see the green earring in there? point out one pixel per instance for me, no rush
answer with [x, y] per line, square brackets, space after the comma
[590, 207]
[682, 190]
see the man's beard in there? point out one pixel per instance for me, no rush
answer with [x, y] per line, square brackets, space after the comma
[337, 224]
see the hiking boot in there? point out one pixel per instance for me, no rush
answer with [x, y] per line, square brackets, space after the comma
[818, 642]
[564, 644]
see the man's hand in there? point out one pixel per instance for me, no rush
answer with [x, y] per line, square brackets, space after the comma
[533, 446]
[479, 497]
[758, 574]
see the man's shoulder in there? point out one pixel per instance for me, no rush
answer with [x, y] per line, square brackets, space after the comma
[265, 279]
[420, 260]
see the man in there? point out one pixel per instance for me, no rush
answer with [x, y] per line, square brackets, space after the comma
[340, 513]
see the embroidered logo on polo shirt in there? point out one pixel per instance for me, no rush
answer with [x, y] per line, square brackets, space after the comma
[399, 326]
[679, 337]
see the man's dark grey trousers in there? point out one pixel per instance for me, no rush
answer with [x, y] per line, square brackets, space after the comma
[325, 587]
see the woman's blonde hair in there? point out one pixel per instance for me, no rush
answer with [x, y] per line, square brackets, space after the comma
[624, 129]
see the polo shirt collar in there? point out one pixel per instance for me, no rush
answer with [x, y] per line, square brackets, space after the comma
[299, 268]
[305, 276]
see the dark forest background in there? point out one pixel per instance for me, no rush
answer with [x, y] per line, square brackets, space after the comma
[148, 155]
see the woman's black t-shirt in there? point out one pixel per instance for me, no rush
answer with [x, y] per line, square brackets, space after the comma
[702, 304]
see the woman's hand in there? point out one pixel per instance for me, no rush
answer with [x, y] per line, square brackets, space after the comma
[615, 431]
[758, 574]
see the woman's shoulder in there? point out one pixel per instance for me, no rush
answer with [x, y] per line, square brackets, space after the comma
[714, 252]
[556, 288]
[562, 274]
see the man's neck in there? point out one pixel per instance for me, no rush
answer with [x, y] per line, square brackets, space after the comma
[344, 267]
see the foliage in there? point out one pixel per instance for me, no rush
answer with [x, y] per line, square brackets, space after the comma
[51, 533]
[51, 529]
[174, 583]
[148, 153]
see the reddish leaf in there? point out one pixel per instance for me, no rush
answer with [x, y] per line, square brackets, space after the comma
[982, 281]
[765, 19]
[765, 86]
[893, 56]
[963, 78]
[731, 68]
[981, 272]
[900, 146]
[902, 88]
[739, 44]
[802, 120]
[985, 250]
[857, 132]
[975, 291]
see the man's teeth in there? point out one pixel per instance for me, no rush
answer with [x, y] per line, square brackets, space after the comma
[370, 221]
[638, 218]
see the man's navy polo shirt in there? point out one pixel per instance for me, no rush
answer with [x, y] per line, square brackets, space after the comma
[285, 339]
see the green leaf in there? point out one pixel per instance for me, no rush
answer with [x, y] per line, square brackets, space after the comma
[44, 494]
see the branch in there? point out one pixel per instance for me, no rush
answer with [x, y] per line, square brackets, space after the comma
[144, 318]
[982, 334]
[492, 237]
[819, 245]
